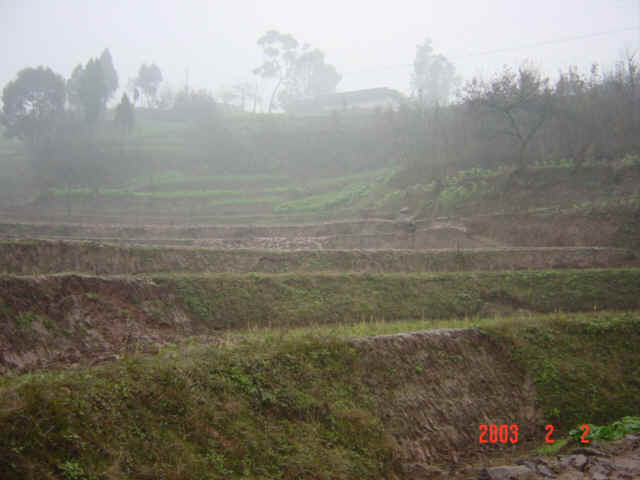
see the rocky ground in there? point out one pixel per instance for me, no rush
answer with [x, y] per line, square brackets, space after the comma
[619, 460]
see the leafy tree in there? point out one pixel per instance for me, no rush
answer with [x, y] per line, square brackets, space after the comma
[73, 87]
[280, 53]
[110, 74]
[246, 94]
[301, 72]
[32, 102]
[434, 76]
[91, 86]
[195, 105]
[148, 80]
[125, 117]
[309, 77]
[93, 91]
[166, 98]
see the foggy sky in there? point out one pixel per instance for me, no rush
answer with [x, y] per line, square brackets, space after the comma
[371, 43]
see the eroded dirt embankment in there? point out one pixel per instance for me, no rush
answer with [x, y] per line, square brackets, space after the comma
[61, 319]
[157, 231]
[434, 388]
[43, 257]
[49, 321]
[619, 228]
[277, 238]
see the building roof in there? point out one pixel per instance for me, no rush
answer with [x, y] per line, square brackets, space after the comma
[347, 99]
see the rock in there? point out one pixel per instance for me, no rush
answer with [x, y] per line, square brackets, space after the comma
[600, 472]
[634, 441]
[538, 466]
[419, 471]
[589, 452]
[576, 461]
[544, 470]
[630, 465]
[510, 472]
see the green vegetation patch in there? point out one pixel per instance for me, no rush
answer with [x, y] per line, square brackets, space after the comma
[287, 410]
[284, 403]
[228, 300]
[614, 431]
[379, 175]
[586, 367]
[120, 192]
[314, 203]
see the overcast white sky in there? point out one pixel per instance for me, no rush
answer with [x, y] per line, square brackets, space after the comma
[371, 43]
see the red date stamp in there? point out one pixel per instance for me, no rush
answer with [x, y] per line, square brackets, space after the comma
[509, 433]
[498, 433]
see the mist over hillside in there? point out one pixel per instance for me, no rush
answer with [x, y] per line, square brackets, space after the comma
[288, 240]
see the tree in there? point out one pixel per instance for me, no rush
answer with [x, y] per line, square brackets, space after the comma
[93, 91]
[309, 77]
[434, 76]
[195, 105]
[32, 102]
[519, 103]
[125, 116]
[91, 86]
[246, 94]
[110, 74]
[227, 96]
[301, 72]
[280, 53]
[148, 80]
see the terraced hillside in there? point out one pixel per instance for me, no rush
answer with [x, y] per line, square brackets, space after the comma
[252, 328]
[377, 407]
[42, 256]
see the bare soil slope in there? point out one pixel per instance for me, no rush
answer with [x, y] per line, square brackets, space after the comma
[43, 257]
[62, 319]
[435, 388]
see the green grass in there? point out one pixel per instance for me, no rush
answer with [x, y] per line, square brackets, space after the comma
[121, 192]
[268, 199]
[585, 367]
[234, 300]
[292, 411]
[326, 201]
[614, 431]
[381, 175]
[589, 432]
[278, 403]
[171, 177]
[552, 449]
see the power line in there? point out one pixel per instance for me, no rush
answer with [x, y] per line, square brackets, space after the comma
[551, 42]
[507, 49]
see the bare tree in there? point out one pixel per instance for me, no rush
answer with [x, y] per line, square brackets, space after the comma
[519, 103]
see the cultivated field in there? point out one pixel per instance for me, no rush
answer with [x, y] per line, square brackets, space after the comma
[259, 327]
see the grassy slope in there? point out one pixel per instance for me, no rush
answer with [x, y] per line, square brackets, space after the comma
[586, 367]
[280, 404]
[293, 299]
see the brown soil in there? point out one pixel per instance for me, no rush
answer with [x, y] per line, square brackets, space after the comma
[435, 388]
[43, 257]
[71, 319]
[619, 228]
[200, 231]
